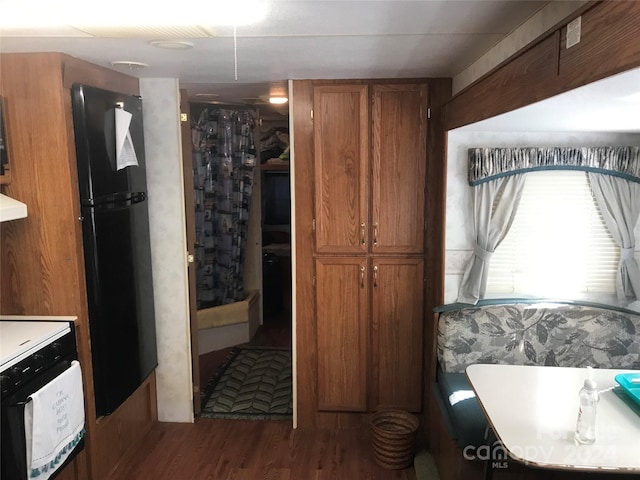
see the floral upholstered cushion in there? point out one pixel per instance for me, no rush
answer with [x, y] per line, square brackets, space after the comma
[563, 335]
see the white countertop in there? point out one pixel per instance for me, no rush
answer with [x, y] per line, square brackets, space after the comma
[533, 411]
[11, 209]
[20, 336]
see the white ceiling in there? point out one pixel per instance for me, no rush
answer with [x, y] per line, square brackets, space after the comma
[298, 39]
[307, 39]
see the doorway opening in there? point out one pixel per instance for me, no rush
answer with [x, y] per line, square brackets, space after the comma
[261, 317]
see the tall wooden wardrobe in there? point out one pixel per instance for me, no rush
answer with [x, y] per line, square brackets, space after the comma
[360, 168]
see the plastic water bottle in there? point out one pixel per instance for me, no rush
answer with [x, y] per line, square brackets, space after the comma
[586, 425]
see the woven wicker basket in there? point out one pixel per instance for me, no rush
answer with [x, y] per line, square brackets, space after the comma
[394, 437]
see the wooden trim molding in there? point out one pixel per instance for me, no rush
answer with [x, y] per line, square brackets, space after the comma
[518, 83]
[609, 44]
[302, 101]
[546, 67]
[435, 216]
[78, 71]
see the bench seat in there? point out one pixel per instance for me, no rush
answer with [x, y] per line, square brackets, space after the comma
[461, 412]
[523, 333]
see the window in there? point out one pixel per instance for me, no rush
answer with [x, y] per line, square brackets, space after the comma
[558, 245]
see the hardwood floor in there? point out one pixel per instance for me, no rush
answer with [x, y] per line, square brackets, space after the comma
[215, 449]
[212, 449]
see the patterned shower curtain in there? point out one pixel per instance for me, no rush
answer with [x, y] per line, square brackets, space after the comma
[223, 164]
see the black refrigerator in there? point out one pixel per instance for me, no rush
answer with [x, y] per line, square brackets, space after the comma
[115, 229]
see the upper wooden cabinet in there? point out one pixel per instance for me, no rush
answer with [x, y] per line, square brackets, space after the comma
[399, 153]
[341, 141]
[370, 163]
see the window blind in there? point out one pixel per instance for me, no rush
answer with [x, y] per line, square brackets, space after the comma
[558, 244]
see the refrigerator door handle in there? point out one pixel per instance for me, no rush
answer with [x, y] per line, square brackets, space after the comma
[138, 197]
[116, 201]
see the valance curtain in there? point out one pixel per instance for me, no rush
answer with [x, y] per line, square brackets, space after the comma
[494, 207]
[490, 163]
[619, 202]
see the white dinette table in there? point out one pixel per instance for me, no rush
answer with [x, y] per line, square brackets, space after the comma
[533, 411]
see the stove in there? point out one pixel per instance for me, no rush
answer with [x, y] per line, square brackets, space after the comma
[19, 339]
[30, 344]
[33, 352]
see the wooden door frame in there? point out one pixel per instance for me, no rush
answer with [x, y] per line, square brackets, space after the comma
[190, 225]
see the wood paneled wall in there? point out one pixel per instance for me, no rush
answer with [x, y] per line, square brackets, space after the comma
[435, 213]
[609, 45]
[302, 169]
[41, 262]
[41, 256]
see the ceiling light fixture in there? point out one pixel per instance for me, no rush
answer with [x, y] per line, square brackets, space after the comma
[130, 64]
[142, 13]
[278, 100]
[171, 44]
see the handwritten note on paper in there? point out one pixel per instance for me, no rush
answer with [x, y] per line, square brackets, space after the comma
[125, 153]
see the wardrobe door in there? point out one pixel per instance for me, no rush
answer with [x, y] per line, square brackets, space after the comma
[341, 325]
[397, 333]
[399, 132]
[341, 157]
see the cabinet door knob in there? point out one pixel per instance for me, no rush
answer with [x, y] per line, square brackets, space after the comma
[362, 277]
[362, 233]
[375, 276]
[375, 234]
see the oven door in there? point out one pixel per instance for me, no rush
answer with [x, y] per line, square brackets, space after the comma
[14, 457]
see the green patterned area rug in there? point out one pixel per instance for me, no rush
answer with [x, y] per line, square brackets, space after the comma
[253, 383]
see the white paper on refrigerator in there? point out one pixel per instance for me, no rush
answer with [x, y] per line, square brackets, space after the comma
[125, 153]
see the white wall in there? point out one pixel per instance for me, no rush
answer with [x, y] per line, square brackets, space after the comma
[459, 223]
[161, 108]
